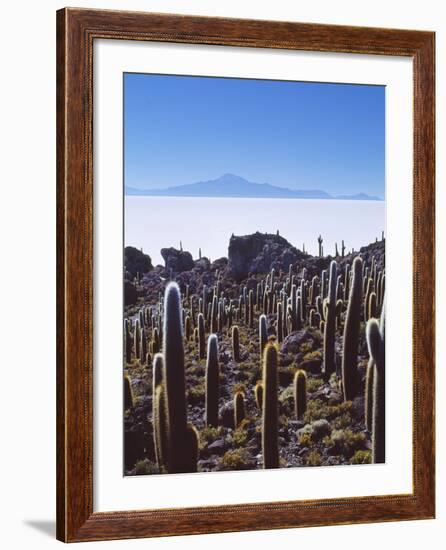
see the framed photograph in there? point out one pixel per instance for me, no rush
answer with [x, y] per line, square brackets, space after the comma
[245, 275]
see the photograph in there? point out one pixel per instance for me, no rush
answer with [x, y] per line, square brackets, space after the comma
[254, 274]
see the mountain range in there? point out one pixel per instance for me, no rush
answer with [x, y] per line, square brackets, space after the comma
[230, 185]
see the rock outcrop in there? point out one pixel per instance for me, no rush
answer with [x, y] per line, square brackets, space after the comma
[260, 252]
[177, 260]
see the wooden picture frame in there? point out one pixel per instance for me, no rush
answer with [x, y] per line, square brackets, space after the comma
[76, 31]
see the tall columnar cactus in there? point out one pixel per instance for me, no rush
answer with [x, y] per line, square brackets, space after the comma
[127, 341]
[368, 394]
[201, 336]
[137, 337]
[300, 393]
[251, 308]
[376, 343]
[270, 443]
[369, 290]
[187, 328]
[212, 382]
[239, 408]
[214, 314]
[235, 344]
[179, 460]
[128, 394]
[159, 419]
[330, 323]
[279, 322]
[258, 393]
[143, 347]
[263, 333]
[373, 306]
[351, 334]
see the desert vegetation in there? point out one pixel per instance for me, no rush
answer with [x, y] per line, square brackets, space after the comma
[268, 358]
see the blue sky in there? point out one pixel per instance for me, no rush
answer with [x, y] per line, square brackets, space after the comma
[181, 129]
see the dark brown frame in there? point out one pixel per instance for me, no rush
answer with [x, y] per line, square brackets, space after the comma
[76, 31]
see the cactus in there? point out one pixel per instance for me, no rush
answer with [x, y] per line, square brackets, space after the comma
[279, 322]
[330, 324]
[376, 343]
[214, 314]
[351, 334]
[300, 394]
[320, 240]
[212, 382]
[159, 420]
[178, 459]
[143, 347]
[251, 308]
[368, 395]
[373, 307]
[369, 290]
[128, 393]
[137, 338]
[201, 336]
[235, 344]
[270, 444]
[187, 328]
[258, 392]
[127, 341]
[263, 333]
[239, 408]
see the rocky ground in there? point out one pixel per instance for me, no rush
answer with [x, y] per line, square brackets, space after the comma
[332, 432]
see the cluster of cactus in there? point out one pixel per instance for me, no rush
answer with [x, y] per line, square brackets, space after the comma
[334, 301]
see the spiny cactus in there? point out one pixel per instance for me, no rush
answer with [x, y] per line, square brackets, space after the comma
[270, 444]
[143, 347]
[330, 323]
[376, 343]
[137, 337]
[279, 322]
[187, 328]
[214, 314]
[239, 407]
[368, 395]
[127, 341]
[300, 393]
[263, 333]
[201, 336]
[235, 344]
[159, 420]
[373, 307]
[351, 334]
[251, 308]
[258, 393]
[212, 382]
[128, 394]
[179, 460]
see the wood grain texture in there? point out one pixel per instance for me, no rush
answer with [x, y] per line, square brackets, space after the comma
[76, 31]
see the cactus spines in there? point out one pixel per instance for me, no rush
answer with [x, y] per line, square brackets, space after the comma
[212, 382]
[187, 328]
[330, 323]
[351, 333]
[128, 394]
[300, 393]
[127, 341]
[258, 392]
[201, 336]
[235, 344]
[137, 338]
[239, 408]
[263, 333]
[178, 461]
[376, 343]
[279, 322]
[270, 444]
[251, 308]
[368, 395]
[159, 420]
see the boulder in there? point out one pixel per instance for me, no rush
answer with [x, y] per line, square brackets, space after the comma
[258, 253]
[293, 341]
[177, 260]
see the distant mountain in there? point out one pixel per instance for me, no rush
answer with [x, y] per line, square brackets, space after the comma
[230, 185]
